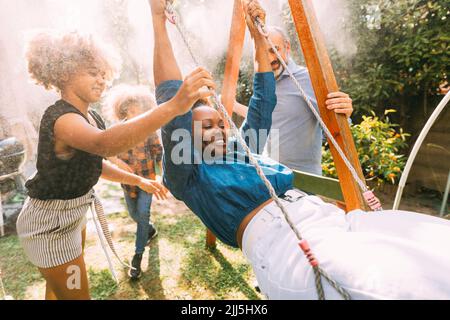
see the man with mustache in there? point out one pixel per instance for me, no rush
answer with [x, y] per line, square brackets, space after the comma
[296, 137]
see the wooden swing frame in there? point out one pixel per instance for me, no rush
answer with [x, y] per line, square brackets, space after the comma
[344, 191]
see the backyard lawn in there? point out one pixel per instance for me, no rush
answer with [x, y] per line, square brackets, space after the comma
[177, 265]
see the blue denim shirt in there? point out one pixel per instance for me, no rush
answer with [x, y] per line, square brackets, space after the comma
[223, 194]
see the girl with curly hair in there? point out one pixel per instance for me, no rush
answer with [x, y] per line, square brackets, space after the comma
[73, 146]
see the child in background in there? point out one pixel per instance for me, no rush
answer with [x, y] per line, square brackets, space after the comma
[125, 103]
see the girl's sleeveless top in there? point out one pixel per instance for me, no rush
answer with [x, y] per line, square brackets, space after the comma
[58, 179]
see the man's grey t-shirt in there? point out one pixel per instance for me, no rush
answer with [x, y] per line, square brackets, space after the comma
[294, 125]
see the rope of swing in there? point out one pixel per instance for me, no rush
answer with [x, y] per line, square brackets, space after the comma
[303, 243]
[104, 233]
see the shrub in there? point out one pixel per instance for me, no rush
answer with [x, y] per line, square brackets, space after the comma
[379, 144]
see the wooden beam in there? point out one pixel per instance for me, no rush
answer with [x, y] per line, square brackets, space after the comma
[324, 82]
[234, 56]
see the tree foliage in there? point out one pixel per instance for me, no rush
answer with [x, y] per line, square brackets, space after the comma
[403, 53]
[401, 62]
[118, 21]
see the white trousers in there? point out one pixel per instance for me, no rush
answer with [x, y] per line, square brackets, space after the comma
[382, 255]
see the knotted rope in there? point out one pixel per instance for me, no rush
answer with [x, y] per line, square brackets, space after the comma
[103, 231]
[303, 244]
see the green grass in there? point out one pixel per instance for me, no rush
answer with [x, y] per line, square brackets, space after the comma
[211, 269]
[102, 284]
[18, 273]
[177, 265]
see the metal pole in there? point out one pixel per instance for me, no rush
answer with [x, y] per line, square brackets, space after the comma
[416, 148]
[444, 201]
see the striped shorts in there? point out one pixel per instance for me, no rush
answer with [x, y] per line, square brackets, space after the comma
[50, 231]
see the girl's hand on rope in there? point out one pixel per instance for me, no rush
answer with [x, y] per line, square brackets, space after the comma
[154, 187]
[159, 7]
[196, 86]
[340, 102]
[253, 10]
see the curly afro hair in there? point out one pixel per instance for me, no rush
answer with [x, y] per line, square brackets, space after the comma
[121, 97]
[53, 58]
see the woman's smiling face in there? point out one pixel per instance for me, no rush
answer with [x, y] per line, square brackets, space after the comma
[88, 84]
[213, 133]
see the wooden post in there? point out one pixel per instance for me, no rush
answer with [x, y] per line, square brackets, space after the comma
[234, 56]
[231, 75]
[211, 240]
[324, 82]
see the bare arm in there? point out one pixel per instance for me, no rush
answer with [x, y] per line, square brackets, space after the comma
[120, 164]
[254, 10]
[261, 65]
[76, 132]
[240, 109]
[114, 174]
[165, 66]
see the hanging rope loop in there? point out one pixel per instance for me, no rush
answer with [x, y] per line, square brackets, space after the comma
[97, 206]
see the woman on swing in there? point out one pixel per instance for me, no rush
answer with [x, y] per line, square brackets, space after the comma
[383, 255]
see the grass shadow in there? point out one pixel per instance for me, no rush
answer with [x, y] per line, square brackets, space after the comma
[182, 229]
[149, 285]
[102, 285]
[150, 281]
[204, 267]
[235, 274]
[210, 268]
